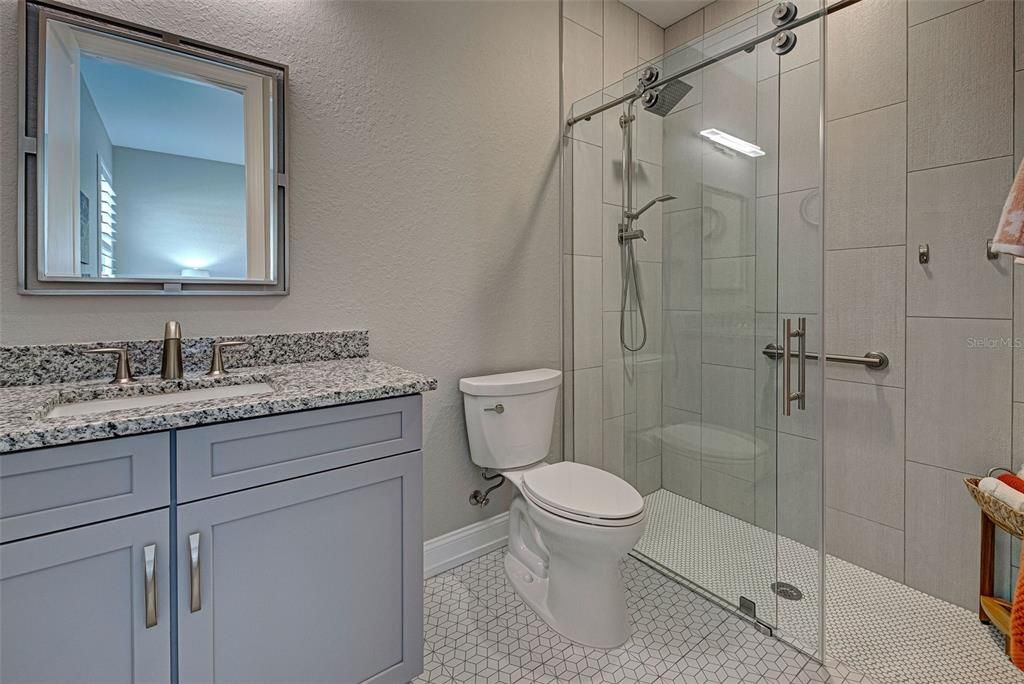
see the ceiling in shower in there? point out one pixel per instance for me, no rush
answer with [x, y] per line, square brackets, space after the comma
[664, 13]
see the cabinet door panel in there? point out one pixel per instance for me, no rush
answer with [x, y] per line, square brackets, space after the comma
[72, 605]
[317, 579]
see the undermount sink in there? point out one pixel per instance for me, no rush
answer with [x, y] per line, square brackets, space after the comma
[103, 404]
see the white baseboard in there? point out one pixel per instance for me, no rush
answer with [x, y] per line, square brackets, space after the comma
[464, 544]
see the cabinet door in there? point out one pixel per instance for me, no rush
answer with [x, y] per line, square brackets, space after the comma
[316, 579]
[73, 604]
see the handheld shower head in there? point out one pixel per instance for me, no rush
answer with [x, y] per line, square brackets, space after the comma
[664, 99]
[636, 214]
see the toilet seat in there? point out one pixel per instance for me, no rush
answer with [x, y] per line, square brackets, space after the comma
[581, 493]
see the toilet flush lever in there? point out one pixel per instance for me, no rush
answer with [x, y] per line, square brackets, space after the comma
[497, 408]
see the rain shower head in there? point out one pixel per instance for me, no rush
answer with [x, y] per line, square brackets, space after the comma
[664, 99]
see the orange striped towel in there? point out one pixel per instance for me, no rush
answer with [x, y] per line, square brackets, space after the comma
[1016, 635]
[1009, 237]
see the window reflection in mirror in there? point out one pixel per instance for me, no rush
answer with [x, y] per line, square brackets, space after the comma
[156, 165]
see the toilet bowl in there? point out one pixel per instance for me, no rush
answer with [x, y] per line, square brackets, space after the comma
[569, 524]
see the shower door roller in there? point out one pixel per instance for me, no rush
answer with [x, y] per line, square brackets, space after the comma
[788, 395]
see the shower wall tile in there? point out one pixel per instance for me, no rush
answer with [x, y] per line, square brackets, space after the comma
[648, 186]
[586, 288]
[681, 365]
[650, 290]
[586, 199]
[620, 40]
[799, 121]
[730, 97]
[953, 210]
[766, 241]
[581, 62]
[587, 131]
[687, 29]
[865, 292]
[682, 154]
[729, 204]
[649, 134]
[949, 122]
[766, 481]
[612, 174]
[727, 431]
[723, 11]
[680, 463]
[568, 411]
[681, 251]
[866, 179]
[799, 250]
[651, 40]
[864, 450]
[615, 444]
[617, 401]
[588, 429]
[918, 12]
[959, 412]
[865, 543]
[612, 259]
[768, 137]
[647, 379]
[730, 495]
[648, 476]
[866, 57]
[682, 59]
[943, 535]
[728, 317]
[586, 13]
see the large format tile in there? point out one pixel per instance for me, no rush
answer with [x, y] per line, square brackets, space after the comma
[952, 209]
[864, 450]
[799, 122]
[651, 40]
[680, 452]
[681, 364]
[865, 543]
[685, 30]
[619, 445]
[727, 428]
[648, 475]
[958, 393]
[648, 186]
[650, 292]
[865, 311]
[586, 294]
[943, 535]
[808, 39]
[681, 254]
[730, 94]
[613, 266]
[617, 401]
[581, 62]
[866, 57]
[960, 99]
[729, 205]
[768, 137]
[586, 199]
[766, 249]
[620, 40]
[682, 158]
[800, 252]
[918, 11]
[866, 182]
[798, 464]
[587, 13]
[728, 321]
[612, 160]
[723, 11]
[588, 433]
[588, 131]
[728, 494]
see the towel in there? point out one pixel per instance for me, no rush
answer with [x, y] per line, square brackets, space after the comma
[1013, 481]
[1016, 635]
[1009, 237]
[1002, 491]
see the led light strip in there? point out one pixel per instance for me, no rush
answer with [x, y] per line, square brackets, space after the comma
[732, 142]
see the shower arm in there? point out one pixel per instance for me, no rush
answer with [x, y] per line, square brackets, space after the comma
[745, 46]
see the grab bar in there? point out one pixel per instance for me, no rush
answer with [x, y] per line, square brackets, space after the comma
[873, 360]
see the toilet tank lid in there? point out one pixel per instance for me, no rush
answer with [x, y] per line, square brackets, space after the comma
[507, 384]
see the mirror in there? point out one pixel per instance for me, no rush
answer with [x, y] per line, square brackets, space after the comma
[159, 162]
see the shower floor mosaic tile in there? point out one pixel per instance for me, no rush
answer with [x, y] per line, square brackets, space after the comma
[478, 630]
[885, 629]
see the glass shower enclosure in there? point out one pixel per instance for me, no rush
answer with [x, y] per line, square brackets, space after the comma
[701, 385]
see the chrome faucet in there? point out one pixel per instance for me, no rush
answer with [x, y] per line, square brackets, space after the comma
[170, 364]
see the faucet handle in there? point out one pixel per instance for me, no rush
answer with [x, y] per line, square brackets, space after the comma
[123, 373]
[217, 361]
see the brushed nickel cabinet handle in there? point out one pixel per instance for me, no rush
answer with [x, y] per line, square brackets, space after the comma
[149, 555]
[195, 597]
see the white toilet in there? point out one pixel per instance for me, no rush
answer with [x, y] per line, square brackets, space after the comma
[569, 524]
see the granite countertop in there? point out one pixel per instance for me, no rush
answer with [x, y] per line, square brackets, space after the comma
[295, 387]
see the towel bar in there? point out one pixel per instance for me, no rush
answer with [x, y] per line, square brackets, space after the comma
[873, 360]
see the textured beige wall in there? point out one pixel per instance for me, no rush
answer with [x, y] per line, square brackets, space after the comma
[424, 196]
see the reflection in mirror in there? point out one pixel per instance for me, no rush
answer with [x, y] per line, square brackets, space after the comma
[155, 165]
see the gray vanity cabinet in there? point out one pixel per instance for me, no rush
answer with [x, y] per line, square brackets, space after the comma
[314, 579]
[74, 604]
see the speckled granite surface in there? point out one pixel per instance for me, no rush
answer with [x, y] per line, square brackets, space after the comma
[43, 364]
[296, 387]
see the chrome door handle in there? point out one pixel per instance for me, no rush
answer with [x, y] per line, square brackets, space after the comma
[788, 395]
[195, 597]
[149, 556]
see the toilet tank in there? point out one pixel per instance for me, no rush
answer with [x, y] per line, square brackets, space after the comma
[509, 417]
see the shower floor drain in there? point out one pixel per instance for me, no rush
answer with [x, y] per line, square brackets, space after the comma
[787, 591]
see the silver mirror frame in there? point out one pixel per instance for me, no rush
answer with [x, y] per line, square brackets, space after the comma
[32, 20]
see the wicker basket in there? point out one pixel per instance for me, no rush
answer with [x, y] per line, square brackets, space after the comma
[1006, 518]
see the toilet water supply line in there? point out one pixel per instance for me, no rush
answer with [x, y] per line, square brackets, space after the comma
[478, 498]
